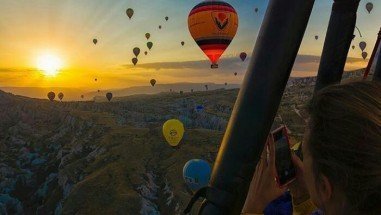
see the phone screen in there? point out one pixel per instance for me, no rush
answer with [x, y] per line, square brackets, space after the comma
[285, 167]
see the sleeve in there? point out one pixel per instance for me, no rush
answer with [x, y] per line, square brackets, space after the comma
[304, 208]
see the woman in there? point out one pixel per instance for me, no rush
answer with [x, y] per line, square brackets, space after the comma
[341, 168]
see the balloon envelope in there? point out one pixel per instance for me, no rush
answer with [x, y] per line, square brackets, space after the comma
[173, 131]
[182, 43]
[243, 56]
[149, 45]
[235, 74]
[197, 174]
[153, 82]
[362, 45]
[134, 61]
[60, 96]
[369, 7]
[95, 41]
[256, 10]
[51, 96]
[213, 25]
[109, 96]
[364, 55]
[159, 26]
[353, 47]
[130, 12]
[148, 35]
[316, 37]
[166, 18]
[136, 51]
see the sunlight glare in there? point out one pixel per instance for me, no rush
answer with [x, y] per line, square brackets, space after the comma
[49, 64]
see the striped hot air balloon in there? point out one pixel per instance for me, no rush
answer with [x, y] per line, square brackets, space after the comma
[213, 25]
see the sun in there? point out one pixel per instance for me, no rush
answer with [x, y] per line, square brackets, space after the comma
[49, 64]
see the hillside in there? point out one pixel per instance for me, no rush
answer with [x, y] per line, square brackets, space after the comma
[110, 157]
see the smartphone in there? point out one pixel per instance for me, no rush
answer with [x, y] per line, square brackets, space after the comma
[285, 169]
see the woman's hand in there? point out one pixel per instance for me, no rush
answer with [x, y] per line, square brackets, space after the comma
[298, 188]
[263, 188]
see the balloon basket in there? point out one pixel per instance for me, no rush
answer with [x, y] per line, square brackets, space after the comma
[214, 66]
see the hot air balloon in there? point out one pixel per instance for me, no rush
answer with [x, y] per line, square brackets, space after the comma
[316, 37]
[95, 41]
[166, 18]
[213, 25]
[149, 45]
[153, 82]
[99, 91]
[235, 74]
[145, 53]
[353, 47]
[173, 131]
[196, 173]
[182, 43]
[199, 108]
[206, 87]
[364, 55]
[109, 96]
[96, 79]
[148, 35]
[369, 7]
[159, 26]
[82, 96]
[51, 96]
[135, 61]
[362, 45]
[226, 84]
[130, 12]
[136, 51]
[60, 96]
[256, 10]
[243, 56]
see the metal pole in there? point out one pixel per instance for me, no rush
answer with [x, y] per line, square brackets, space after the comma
[371, 60]
[337, 43]
[273, 57]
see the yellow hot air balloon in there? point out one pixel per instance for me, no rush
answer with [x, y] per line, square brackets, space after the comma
[173, 131]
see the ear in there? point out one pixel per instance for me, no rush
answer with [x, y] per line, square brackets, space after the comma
[325, 189]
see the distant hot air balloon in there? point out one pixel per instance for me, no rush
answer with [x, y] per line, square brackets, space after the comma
[182, 43]
[51, 96]
[173, 131]
[197, 174]
[316, 37]
[149, 45]
[206, 87]
[145, 53]
[135, 61]
[148, 35]
[243, 56]
[235, 74]
[136, 51]
[166, 18]
[369, 7]
[82, 96]
[130, 12]
[153, 82]
[213, 25]
[364, 55]
[256, 10]
[95, 41]
[60, 96]
[362, 45]
[99, 91]
[96, 79]
[159, 26]
[226, 84]
[109, 96]
[353, 47]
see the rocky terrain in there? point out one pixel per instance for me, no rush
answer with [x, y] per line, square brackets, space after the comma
[110, 157]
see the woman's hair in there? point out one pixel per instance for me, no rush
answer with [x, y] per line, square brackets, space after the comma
[345, 142]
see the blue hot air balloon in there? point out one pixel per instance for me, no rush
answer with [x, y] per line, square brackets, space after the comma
[199, 108]
[196, 174]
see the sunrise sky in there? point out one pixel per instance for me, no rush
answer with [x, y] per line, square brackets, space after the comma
[62, 30]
